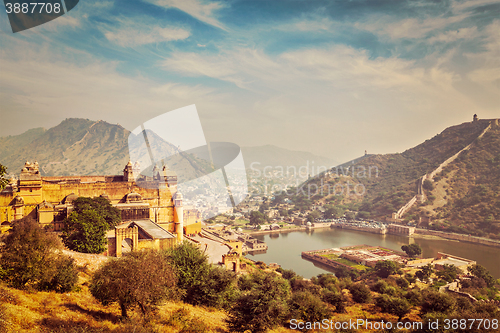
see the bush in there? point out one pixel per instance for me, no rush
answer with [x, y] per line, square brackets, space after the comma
[201, 283]
[335, 298]
[308, 307]
[31, 259]
[360, 293]
[434, 301]
[402, 282]
[393, 305]
[263, 306]
[385, 268]
[142, 278]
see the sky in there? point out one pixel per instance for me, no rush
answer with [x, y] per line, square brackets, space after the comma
[334, 78]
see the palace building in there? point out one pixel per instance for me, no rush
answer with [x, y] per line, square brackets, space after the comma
[151, 208]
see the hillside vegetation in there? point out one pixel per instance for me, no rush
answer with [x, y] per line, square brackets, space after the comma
[470, 203]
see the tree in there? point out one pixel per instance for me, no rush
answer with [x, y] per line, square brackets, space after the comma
[385, 268]
[30, 258]
[427, 185]
[393, 305]
[312, 216]
[308, 307]
[434, 301]
[3, 179]
[199, 282]
[333, 212]
[85, 228]
[256, 218]
[262, 305]
[335, 298]
[412, 250]
[448, 273]
[425, 273]
[482, 273]
[360, 293]
[143, 278]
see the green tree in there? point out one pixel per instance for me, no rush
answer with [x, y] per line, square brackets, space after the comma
[335, 298]
[360, 293]
[412, 250]
[333, 212]
[482, 273]
[3, 179]
[448, 273]
[425, 272]
[85, 228]
[201, 283]
[393, 305]
[30, 258]
[313, 216]
[142, 278]
[257, 218]
[434, 301]
[385, 268]
[308, 307]
[427, 185]
[262, 305]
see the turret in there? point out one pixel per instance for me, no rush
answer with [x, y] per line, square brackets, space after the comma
[179, 217]
[128, 173]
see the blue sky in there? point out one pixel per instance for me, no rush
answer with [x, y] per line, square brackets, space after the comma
[330, 77]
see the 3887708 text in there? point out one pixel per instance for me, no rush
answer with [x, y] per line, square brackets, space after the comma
[33, 8]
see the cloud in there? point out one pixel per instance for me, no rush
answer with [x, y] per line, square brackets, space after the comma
[488, 74]
[454, 35]
[51, 89]
[310, 24]
[199, 9]
[409, 28]
[133, 33]
[461, 6]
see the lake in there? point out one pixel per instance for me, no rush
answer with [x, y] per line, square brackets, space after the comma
[286, 248]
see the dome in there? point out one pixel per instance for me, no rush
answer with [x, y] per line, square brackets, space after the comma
[134, 197]
[239, 230]
[309, 224]
[70, 198]
[18, 201]
[177, 196]
[45, 204]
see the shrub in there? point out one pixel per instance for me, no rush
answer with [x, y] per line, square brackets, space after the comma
[201, 283]
[402, 282]
[30, 259]
[360, 293]
[142, 278]
[264, 306]
[308, 307]
[335, 298]
[393, 305]
[385, 268]
[434, 301]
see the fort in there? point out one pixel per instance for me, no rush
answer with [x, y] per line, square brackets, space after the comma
[151, 207]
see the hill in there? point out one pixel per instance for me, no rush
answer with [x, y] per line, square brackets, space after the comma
[466, 191]
[85, 147]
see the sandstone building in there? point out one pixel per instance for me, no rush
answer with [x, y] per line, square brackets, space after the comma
[151, 208]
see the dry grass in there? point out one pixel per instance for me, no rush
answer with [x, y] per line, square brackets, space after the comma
[75, 312]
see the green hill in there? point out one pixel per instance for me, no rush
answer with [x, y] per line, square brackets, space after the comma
[469, 201]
